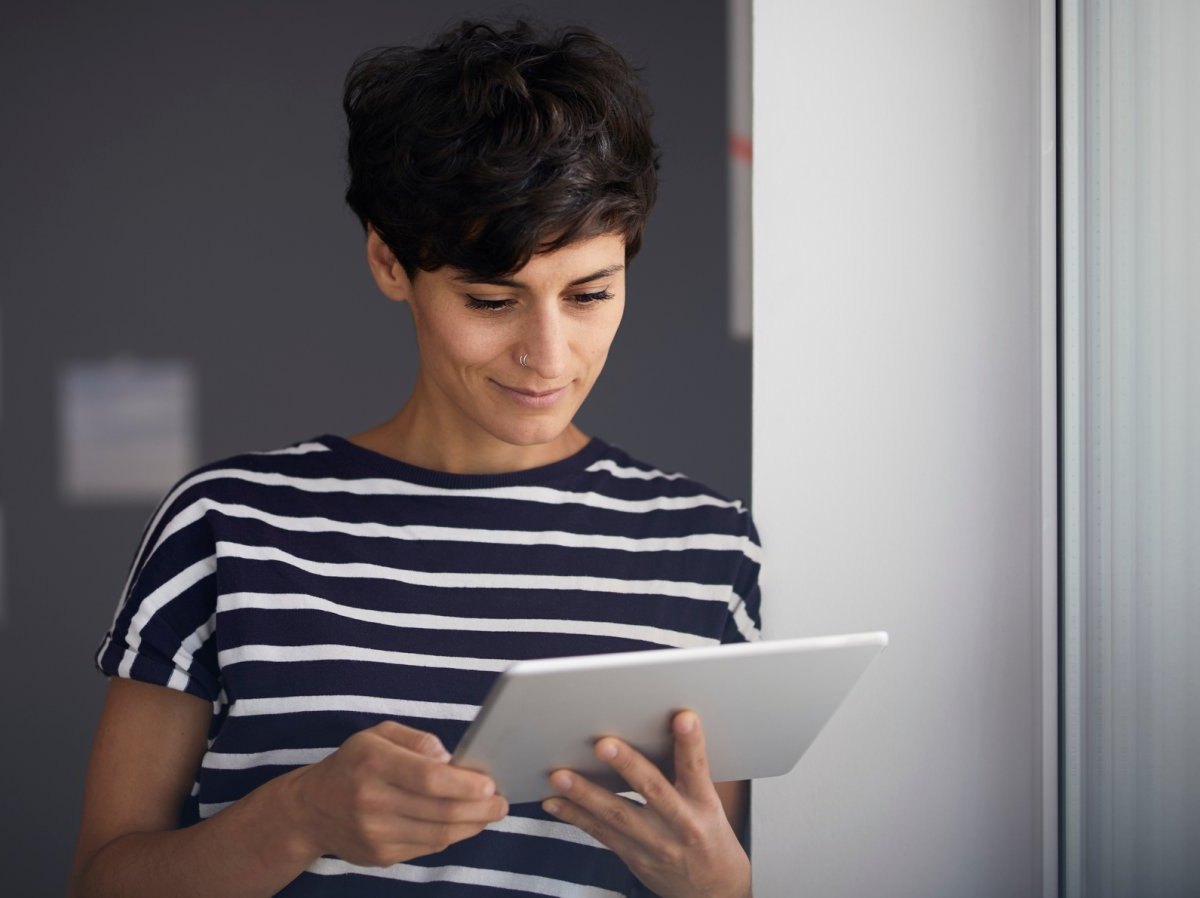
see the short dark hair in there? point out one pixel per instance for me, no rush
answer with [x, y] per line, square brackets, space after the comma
[489, 145]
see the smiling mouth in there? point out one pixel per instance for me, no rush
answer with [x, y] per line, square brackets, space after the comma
[534, 400]
[534, 393]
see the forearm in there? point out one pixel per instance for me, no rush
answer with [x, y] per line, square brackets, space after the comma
[251, 849]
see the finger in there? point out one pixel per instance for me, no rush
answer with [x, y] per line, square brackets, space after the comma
[626, 848]
[421, 741]
[691, 757]
[616, 813]
[643, 776]
[417, 773]
[449, 810]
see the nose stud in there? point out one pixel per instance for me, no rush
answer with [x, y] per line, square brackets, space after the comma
[524, 356]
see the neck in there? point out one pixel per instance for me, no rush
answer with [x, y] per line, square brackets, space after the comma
[418, 436]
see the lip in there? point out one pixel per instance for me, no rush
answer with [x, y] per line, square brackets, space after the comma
[533, 400]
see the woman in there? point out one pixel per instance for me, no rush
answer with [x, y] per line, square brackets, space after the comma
[327, 617]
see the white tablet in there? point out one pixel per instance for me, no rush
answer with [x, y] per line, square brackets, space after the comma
[761, 705]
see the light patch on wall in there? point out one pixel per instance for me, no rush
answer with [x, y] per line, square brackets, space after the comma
[740, 101]
[128, 429]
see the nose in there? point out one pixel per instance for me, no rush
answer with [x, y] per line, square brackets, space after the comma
[544, 339]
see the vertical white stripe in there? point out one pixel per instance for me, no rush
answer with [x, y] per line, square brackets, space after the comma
[1131, 329]
[1072, 92]
[1046, 272]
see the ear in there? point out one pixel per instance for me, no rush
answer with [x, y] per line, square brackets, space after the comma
[389, 274]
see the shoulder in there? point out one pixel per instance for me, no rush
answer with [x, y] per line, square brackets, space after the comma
[238, 477]
[293, 456]
[621, 464]
[617, 471]
[298, 457]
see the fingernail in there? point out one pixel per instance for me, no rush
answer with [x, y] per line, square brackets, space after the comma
[687, 723]
[489, 789]
[608, 751]
[551, 806]
[561, 781]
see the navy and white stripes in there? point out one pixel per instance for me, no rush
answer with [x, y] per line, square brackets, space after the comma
[319, 589]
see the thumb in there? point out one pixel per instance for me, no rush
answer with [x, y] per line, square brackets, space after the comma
[420, 741]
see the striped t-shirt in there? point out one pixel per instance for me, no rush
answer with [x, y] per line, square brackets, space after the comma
[320, 589]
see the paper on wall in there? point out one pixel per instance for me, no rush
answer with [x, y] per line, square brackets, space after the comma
[128, 429]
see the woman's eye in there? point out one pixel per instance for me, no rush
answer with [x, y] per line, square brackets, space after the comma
[585, 298]
[499, 305]
[487, 305]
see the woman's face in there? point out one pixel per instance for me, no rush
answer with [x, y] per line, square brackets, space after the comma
[562, 310]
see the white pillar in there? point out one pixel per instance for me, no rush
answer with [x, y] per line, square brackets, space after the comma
[903, 410]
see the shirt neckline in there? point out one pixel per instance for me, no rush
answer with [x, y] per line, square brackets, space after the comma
[594, 449]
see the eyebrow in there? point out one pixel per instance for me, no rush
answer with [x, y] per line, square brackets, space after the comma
[510, 282]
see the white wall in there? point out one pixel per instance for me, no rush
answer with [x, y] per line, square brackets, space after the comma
[898, 437]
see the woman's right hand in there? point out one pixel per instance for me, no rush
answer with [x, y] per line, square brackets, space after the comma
[387, 795]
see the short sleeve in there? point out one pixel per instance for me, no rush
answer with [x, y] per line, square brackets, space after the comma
[163, 628]
[743, 623]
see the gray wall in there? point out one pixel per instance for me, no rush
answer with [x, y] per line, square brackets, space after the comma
[172, 180]
[898, 427]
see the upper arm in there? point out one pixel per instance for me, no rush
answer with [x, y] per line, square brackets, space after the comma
[148, 745]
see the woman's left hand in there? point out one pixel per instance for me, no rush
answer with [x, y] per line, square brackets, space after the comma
[680, 844]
